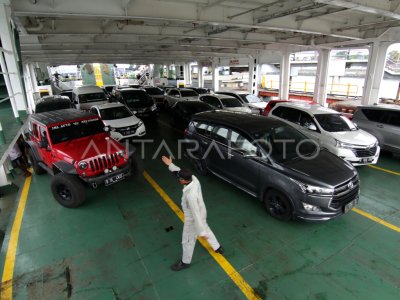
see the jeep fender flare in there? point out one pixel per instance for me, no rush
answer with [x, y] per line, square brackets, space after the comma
[64, 167]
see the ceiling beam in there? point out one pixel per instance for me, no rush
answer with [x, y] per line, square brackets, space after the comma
[329, 11]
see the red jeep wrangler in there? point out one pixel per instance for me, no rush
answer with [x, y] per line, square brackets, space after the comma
[74, 147]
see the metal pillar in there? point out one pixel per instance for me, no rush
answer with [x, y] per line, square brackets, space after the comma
[254, 76]
[9, 87]
[10, 57]
[321, 78]
[375, 70]
[29, 89]
[215, 77]
[284, 76]
[200, 78]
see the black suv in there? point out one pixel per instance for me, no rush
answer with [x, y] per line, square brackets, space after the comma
[271, 160]
[138, 101]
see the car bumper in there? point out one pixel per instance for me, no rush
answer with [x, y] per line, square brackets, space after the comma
[141, 131]
[94, 182]
[348, 155]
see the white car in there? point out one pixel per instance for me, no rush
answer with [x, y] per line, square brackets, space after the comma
[253, 102]
[175, 95]
[331, 130]
[225, 102]
[122, 122]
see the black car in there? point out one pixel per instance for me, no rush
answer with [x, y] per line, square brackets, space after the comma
[182, 111]
[50, 103]
[156, 94]
[138, 101]
[274, 162]
[200, 91]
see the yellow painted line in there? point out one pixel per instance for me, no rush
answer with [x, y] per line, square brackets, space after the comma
[8, 271]
[384, 170]
[247, 290]
[376, 219]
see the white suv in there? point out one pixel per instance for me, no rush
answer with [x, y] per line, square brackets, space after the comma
[123, 123]
[331, 130]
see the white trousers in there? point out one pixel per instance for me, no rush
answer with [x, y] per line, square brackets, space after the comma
[189, 238]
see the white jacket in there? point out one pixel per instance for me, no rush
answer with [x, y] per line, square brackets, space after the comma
[192, 204]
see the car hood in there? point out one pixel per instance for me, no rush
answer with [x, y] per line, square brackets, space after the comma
[130, 121]
[260, 105]
[356, 137]
[87, 147]
[88, 105]
[325, 169]
[239, 109]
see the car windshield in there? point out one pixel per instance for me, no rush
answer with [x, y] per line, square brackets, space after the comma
[114, 113]
[194, 108]
[189, 94]
[285, 143]
[93, 97]
[335, 122]
[137, 99]
[154, 91]
[75, 130]
[250, 98]
[231, 102]
[201, 91]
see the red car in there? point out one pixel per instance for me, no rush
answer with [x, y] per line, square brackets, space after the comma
[74, 147]
[272, 103]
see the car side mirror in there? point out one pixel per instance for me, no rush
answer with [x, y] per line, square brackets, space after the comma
[312, 127]
[43, 144]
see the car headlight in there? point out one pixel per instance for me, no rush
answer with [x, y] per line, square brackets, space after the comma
[340, 144]
[140, 123]
[313, 190]
[83, 165]
[154, 107]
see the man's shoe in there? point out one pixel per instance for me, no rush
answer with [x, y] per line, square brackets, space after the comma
[179, 266]
[220, 250]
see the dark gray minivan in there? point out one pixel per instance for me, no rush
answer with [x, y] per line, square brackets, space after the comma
[274, 162]
[382, 121]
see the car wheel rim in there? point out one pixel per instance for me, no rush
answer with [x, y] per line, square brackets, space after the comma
[64, 193]
[276, 206]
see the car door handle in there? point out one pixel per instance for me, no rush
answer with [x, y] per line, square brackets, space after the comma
[379, 125]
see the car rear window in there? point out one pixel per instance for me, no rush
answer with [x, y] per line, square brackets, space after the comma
[154, 91]
[231, 102]
[189, 94]
[93, 97]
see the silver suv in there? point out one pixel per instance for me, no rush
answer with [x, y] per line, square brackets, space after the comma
[381, 121]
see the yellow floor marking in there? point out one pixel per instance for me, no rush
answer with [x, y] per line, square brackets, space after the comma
[225, 265]
[8, 272]
[376, 219]
[384, 170]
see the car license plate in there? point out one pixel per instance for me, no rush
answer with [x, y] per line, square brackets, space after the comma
[349, 206]
[367, 160]
[114, 179]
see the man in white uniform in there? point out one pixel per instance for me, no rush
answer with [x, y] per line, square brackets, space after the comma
[195, 213]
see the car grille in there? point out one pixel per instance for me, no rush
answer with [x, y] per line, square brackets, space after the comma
[104, 162]
[367, 152]
[345, 193]
[127, 130]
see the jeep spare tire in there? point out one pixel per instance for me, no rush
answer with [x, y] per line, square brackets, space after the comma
[68, 190]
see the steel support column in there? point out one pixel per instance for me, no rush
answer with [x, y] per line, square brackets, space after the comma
[284, 76]
[375, 70]
[11, 62]
[321, 78]
[200, 78]
[215, 76]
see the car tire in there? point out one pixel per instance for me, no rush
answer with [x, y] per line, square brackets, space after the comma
[68, 190]
[278, 205]
[136, 165]
[35, 166]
